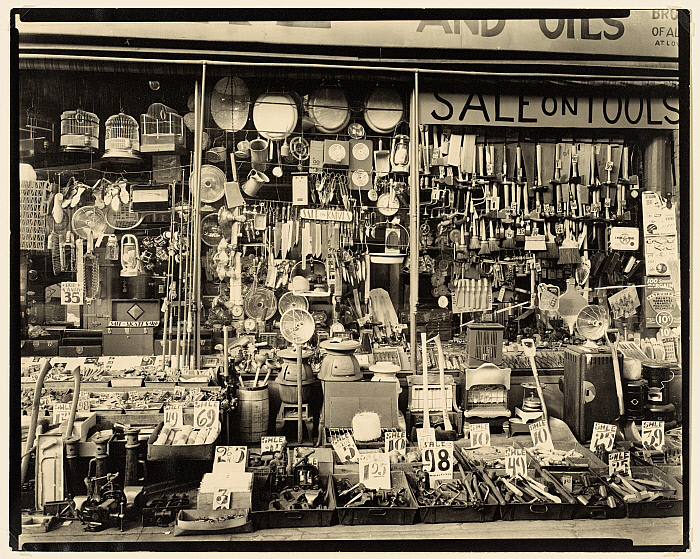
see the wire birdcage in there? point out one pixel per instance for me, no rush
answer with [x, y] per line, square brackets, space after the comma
[162, 129]
[121, 136]
[80, 131]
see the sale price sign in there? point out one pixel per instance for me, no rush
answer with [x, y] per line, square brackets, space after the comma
[438, 460]
[71, 293]
[395, 440]
[603, 434]
[272, 444]
[619, 463]
[516, 462]
[172, 415]
[479, 435]
[541, 436]
[345, 448]
[60, 412]
[375, 472]
[206, 414]
[653, 437]
[230, 458]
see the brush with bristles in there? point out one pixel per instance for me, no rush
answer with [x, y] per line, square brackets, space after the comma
[509, 241]
[484, 243]
[474, 243]
[493, 242]
[568, 251]
[552, 247]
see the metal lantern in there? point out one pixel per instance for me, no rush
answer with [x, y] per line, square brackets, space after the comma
[121, 137]
[162, 130]
[80, 131]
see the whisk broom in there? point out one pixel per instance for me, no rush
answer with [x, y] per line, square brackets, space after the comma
[484, 243]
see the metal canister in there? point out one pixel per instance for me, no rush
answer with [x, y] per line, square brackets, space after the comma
[635, 397]
[657, 375]
[660, 412]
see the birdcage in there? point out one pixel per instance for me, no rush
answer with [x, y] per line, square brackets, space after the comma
[35, 135]
[121, 137]
[80, 131]
[162, 130]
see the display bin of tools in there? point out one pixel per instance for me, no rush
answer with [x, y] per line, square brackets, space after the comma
[667, 498]
[458, 510]
[363, 515]
[596, 500]
[538, 510]
[566, 456]
[292, 512]
[179, 452]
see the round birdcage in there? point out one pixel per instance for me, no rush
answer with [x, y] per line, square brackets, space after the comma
[121, 136]
[80, 131]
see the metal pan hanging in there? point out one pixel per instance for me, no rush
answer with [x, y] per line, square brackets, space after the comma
[211, 186]
[329, 109]
[275, 115]
[383, 110]
[230, 103]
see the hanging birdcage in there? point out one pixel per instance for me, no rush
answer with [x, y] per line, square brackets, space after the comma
[121, 137]
[162, 130]
[80, 131]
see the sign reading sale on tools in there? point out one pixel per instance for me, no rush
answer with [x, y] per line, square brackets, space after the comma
[565, 111]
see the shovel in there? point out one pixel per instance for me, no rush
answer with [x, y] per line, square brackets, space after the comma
[449, 434]
[628, 427]
[232, 189]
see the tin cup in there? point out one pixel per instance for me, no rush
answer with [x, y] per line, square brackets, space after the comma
[259, 154]
[243, 149]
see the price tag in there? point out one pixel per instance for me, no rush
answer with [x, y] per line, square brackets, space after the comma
[195, 391]
[574, 205]
[516, 462]
[134, 395]
[45, 401]
[607, 203]
[425, 435]
[619, 462]
[345, 448]
[438, 460]
[395, 440]
[520, 231]
[222, 499]
[541, 436]
[84, 404]
[71, 293]
[206, 414]
[60, 412]
[272, 444]
[559, 228]
[608, 165]
[568, 482]
[603, 433]
[228, 458]
[653, 437]
[179, 392]
[479, 435]
[172, 415]
[375, 472]
[513, 207]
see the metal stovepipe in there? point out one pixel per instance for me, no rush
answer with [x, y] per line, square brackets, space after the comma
[413, 225]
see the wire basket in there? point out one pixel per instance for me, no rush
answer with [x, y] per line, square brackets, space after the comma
[32, 209]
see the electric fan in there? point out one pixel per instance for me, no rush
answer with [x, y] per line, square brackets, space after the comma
[260, 304]
[592, 322]
[291, 301]
[297, 326]
[89, 218]
[211, 184]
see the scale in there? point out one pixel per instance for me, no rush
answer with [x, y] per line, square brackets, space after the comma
[297, 326]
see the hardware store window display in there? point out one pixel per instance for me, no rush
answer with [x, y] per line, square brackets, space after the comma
[350, 300]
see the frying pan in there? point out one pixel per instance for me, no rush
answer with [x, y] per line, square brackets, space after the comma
[383, 110]
[275, 115]
[230, 102]
[328, 107]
